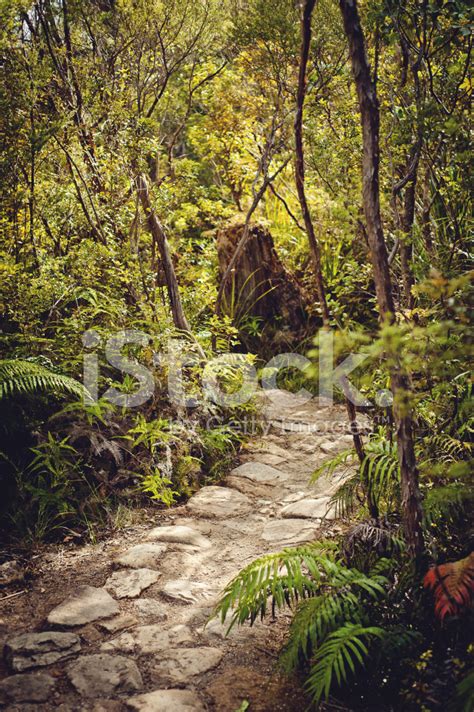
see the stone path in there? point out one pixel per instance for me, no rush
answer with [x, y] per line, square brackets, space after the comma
[150, 648]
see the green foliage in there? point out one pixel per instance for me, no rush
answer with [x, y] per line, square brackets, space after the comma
[20, 376]
[338, 656]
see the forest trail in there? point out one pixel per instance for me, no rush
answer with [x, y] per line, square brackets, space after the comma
[122, 624]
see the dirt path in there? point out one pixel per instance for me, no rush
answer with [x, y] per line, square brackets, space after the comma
[121, 625]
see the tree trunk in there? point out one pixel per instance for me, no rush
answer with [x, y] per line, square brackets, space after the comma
[369, 112]
[406, 246]
[159, 238]
[305, 27]
[308, 7]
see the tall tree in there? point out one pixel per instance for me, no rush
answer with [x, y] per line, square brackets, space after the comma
[370, 120]
[306, 14]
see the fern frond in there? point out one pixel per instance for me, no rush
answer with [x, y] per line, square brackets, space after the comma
[288, 577]
[338, 656]
[347, 497]
[314, 620]
[328, 467]
[445, 501]
[21, 376]
[381, 470]
[453, 586]
[446, 448]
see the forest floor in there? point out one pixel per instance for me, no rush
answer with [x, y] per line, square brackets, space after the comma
[121, 625]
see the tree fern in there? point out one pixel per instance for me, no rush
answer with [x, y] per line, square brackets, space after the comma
[21, 376]
[338, 656]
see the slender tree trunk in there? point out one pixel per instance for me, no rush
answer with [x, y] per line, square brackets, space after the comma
[305, 26]
[406, 245]
[159, 237]
[425, 216]
[307, 11]
[369, 112]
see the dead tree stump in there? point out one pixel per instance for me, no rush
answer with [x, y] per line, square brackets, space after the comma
[260, 289]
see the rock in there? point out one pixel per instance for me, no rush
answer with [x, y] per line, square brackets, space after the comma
[11, 572]
[86, 604]
[30, 650]
[179, 535]
[30, 687]
[179, 665]
[120, 622]
[130, 583]
[102, 675]
[219, 502]
[306, 508]
[187, 591]
[267, 458]
[166, 701]
[258, 472]
[331, 447]
[242, 484]
[93, 706]
[147, 639]
[288, 531]
[142, 556]
[150, 608]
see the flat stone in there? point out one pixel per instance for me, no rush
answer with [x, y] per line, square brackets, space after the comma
[306, 508]
[242, 484]
[142, 556]
[166, 701]
[147, 639]
[87, 604]
[187, 591]
[179, 535]
[130, 583]
[259, 472]
[120, 622]
[30, 687]
[30, 650]
[267, 458]
[219, 502]
[179, 665]
[150, 608]
[288, 531]
[11, 572]
[102, 675]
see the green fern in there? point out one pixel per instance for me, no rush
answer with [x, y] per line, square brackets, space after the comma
[381, 471]
[348, 496]
[329, 466]
[314, 620]
[338, 656]
[21, 376]
[289, 576]
[444, 502]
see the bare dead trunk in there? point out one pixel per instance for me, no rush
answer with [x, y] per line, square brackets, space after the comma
[369, 112]
[160, 239]
[308, 7]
